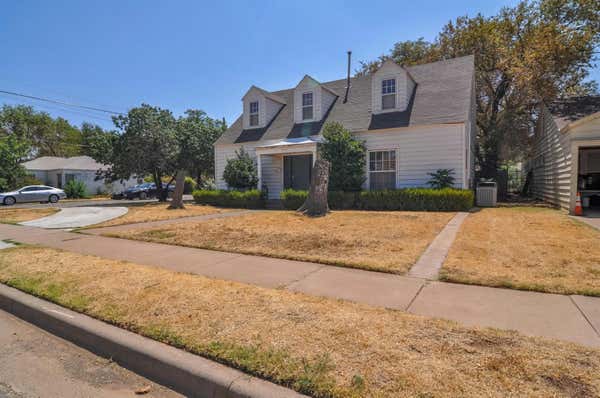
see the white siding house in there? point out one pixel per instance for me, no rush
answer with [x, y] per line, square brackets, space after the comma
[413, 121]
[57, 172]
[566, 153]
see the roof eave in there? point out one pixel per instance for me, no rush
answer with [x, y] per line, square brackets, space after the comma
[579, 122]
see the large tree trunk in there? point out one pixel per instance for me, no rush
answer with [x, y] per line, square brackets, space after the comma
[316, 204]
[177, 201]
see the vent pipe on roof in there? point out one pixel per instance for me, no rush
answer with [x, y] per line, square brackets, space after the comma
[348, 78]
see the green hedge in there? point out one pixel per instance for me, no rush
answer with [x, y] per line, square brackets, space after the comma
[340, 200]
[421, 199]
[189, 185]
[293, 199]
[251, 199]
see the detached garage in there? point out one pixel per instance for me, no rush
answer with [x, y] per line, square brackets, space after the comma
[566, 154]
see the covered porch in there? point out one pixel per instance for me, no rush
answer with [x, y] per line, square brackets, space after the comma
[286, 164]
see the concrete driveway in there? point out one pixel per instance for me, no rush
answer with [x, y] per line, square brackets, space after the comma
[91, 202]
[76, 217]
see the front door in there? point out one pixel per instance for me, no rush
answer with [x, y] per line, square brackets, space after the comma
[296, 171]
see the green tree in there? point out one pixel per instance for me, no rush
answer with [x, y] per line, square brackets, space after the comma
[241, 172]
[346, 156]
[146, 145]
[97, 142]
[13, 150]
[534, 51]
[196, 134]
[47, 136]
[407, 53]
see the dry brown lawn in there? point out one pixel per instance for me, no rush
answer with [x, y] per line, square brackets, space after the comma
[526, 248]
[158, 212]
[382, 241]
[13, 216]
[322, 347]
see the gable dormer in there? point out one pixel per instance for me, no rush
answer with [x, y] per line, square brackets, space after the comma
[391, 88]
[260, 107]
[311, 100]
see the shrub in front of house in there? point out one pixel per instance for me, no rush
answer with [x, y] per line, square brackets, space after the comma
[250, 199]
[293, 199]
[347, 158]
[417, 199]
[189, 185]
[338, 200]
[241, 172]
[441, 178]
[75, 189]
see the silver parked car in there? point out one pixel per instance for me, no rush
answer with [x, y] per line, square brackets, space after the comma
[32, 193]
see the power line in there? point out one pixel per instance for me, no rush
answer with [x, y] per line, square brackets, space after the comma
[61, 102]
[58, 109]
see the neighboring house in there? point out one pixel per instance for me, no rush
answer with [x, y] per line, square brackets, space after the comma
[566, 153]
[413, 120]
[57, 172]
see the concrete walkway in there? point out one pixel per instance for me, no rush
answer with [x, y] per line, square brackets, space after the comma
[571, 318]
[429, 264]
[593, 221]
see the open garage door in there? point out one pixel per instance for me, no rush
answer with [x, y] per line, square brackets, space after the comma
[589, 179]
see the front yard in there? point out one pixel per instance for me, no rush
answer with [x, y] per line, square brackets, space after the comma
[158, 212]
[13, 216]
[381, 241]
[526, 248]
[322, 347]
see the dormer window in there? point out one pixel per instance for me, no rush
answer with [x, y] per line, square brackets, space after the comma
[254, 113]
[307, 106]
[388, 94]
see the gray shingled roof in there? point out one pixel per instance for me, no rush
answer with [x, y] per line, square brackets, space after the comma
[442, 95]
[568, 110]
[57, 163]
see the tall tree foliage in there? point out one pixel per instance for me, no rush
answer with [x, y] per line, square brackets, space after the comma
[196, 133]
[150, 141]
[536, 50]
[12, 152]
[46, 136]
[97, 142]
[147, 145]
[346, 156]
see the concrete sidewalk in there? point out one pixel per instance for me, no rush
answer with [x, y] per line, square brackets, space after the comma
[571, 318]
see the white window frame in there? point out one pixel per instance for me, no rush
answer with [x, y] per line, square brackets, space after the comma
[396, 169]
[389, 94]
[255, 113]
[312, 105]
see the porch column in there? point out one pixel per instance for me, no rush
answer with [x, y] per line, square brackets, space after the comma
[574, 182]
[259, 167]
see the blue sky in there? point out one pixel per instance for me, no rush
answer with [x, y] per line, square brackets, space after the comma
[191, 54]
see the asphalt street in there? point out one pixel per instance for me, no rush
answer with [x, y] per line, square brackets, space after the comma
[34, 363]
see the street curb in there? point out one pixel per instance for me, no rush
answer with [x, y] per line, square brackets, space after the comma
[179, 370]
